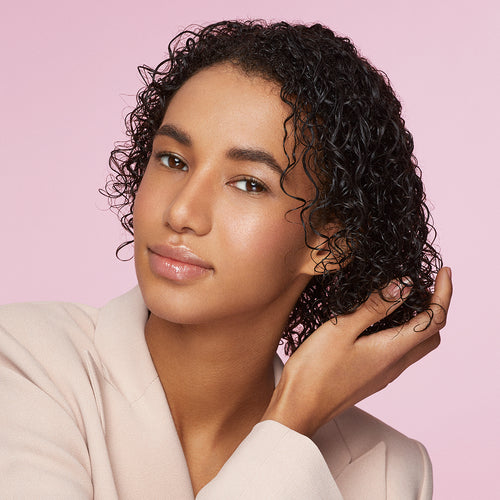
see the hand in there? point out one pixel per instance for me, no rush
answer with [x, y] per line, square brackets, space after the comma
[335, 368]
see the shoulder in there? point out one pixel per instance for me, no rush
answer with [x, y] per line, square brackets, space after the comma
[46, 347]
[28, 314]
[48, 406]
[362, 431]
[44, 329]
[363, 451]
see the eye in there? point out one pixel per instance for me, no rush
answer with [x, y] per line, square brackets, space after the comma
[250, 185]
[172, 161]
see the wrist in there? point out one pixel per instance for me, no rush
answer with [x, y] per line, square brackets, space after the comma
[287, 408]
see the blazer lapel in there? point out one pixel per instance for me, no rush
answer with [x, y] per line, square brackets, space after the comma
[371, 468]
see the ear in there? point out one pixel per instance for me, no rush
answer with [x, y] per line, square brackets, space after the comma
[322, 255]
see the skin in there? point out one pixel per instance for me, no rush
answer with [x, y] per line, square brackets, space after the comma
[213, 338]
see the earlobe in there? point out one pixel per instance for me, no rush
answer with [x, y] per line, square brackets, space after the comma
[323, 257]
[324, 260]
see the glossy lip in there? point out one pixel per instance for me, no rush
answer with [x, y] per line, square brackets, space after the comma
[177, 262]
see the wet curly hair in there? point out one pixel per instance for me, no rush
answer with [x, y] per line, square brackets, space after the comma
[350, 139]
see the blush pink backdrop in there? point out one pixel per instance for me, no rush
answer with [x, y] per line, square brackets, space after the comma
[68, 76]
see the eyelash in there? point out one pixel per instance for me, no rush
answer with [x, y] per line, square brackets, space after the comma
[256, 184]
[161, 155]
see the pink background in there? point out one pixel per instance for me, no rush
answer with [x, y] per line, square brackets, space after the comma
[68, 74]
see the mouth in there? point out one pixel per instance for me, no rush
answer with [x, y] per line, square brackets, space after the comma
[177, 263]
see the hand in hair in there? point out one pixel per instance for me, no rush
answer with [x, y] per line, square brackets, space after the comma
[335, 368]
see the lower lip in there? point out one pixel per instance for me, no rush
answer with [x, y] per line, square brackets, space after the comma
[175, 270]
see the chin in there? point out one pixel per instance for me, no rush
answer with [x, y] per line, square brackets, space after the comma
[179, 308]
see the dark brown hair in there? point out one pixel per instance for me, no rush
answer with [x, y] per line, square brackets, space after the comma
[358, 154]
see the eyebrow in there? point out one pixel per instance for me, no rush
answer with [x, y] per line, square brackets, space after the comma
[237, 153]
[255, 155]
[175, 133]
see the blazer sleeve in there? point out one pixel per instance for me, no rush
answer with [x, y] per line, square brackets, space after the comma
[273, 461]
[42, 450]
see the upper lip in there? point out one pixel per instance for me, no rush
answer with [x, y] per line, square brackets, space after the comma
[180, 253]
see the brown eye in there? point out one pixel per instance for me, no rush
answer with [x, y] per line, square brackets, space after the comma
[250, 185]
[172, 161]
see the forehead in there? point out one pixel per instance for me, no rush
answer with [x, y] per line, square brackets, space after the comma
[229, 105]
[231, 80]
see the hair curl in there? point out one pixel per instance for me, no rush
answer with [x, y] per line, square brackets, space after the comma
[355, 149]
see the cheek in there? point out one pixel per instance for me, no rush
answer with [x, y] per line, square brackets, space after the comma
[145, 205]
[267, 245]
[262, 264]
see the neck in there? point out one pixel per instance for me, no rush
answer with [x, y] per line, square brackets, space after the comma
[216, 377]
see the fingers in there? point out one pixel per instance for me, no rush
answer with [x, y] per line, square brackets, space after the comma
[375, 308]
[416, 353]
[423, 326]
[397, 366]
[402, 342]
[433, 319]
[444, 288]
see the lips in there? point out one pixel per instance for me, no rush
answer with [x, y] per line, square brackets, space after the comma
[177, 263]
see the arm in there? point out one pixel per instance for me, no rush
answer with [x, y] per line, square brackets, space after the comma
[306, 397]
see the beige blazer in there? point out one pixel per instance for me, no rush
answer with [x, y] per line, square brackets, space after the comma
[83, 415]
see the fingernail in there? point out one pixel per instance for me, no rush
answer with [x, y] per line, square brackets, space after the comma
[393, 289]
[407, 281]
[399, 289]
[448, 270]
[406, 291]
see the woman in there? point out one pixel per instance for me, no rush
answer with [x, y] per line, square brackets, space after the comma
[271, 190]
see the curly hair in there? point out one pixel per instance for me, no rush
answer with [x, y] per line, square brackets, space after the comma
[354, 148]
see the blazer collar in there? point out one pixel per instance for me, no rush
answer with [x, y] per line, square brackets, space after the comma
[119, 338]
[141, 433]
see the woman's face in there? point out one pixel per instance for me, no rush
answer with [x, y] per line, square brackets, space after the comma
[214, 237]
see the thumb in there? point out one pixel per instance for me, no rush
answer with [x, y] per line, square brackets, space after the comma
[379, 304]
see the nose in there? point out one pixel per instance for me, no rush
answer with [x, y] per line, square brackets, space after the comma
[191, 205]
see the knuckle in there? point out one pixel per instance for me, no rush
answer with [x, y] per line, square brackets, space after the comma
[440, 315]
[432, 319]
[373, 304]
